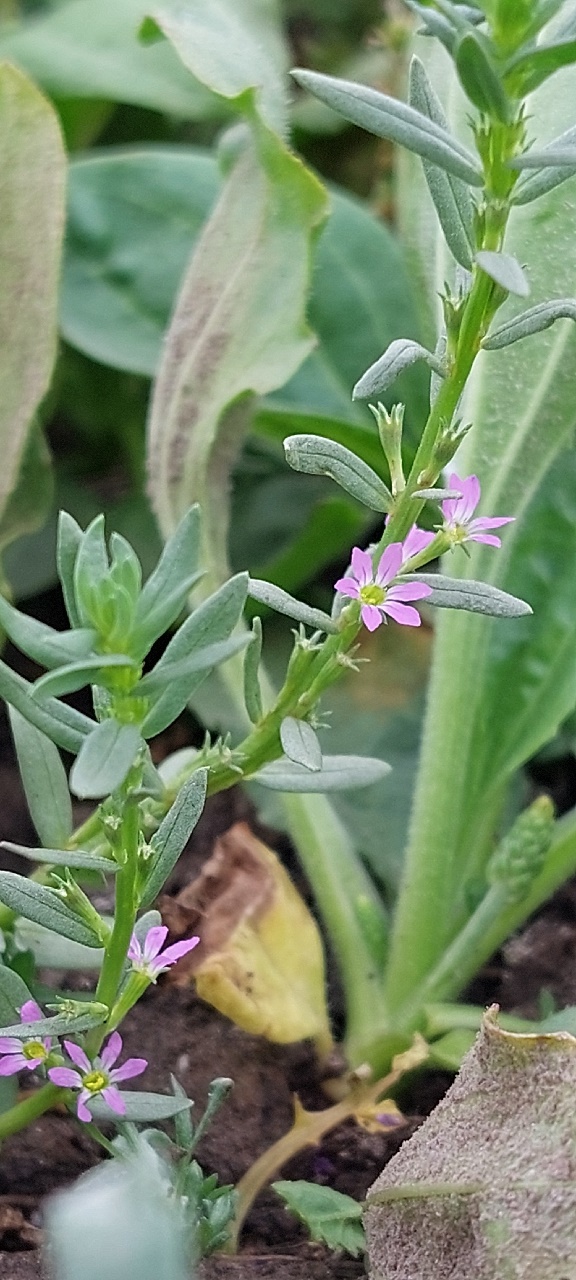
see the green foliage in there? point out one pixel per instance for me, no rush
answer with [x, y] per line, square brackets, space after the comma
[44, 781]
[332, 1218]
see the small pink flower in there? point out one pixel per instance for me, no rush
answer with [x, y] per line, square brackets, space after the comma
[415, 542]
[150, 959]
[93, 1078]
[458, 512]
[373, 590]
[22, 1054]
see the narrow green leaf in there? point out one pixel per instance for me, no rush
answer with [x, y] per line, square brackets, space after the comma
[549, 175]
[60, 1025]
[398, 356]
[69, 537]
[33, 164]
[476, 597]
[75, 675]
[338, 773]
[41, 642]
[528, 322]
[505, 270]
[165, 593]
[141, 1107]
[44, 907]
[195, 663]
[320, 457]
[13, 994]
[275, 598]
[105, 758]
[331, 1217]
[230, 49]
[528, 70]
[174, 832]
[252, 691]
[479, 76]
[62, 724]
[451, 196]
[44, 780]
[435, 24]
[209, 624]
[389, 118]
[63, 857]
[300, 744]
[91, 568]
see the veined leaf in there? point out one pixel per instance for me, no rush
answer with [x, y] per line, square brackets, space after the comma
[329, 1216]
[60, 1025]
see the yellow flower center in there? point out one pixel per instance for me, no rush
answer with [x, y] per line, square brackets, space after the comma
[34, 1049]
[95, 1081]
[372, 594]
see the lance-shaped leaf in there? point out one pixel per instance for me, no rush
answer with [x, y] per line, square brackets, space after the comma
[252, 690]
[549, 174]
[61, 1025]
[68, 539]
[105, 758]
[75, 675]
[300, 744]
[174, 832]
[480, 77]
[527, 71]
[48, 647]
[63, 857]
[44, 780]
[505, 270]
[33, 163]
[44, 907]
[320, 457]
[209, 625]
[528, 322]
[231, 48]
[275, 598]
[476, 597]
[389, 118]
[165, 593]
[141, 1107]
[399, 356]
[238, 331]
[450, 195]
[62, 724]
[338, 773]
[197, 663]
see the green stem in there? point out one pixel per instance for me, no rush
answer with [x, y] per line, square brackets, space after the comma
[124, 918]
[29, 1109]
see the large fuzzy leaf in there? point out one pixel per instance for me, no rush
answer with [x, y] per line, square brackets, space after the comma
[522, 404]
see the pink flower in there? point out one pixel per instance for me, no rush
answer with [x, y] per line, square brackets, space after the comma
[415, 542]
[150, 959]
[458, 512]
[93, 1078]
[376, 596]
[22, 1054]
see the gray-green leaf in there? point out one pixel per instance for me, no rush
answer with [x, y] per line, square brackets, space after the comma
[13, 993]
[252, 691]
[275, 598]
[60, 1025]
[532, 321]
[44, 780]
[475, 597]
[398, 356]
[105, 758]
[450, 195]
[174, 832]
[505, 270]
[63, 857]
[549, 174]
[44, 907]
[141, 1107]
[317, 456]
[300, 744]
[338, 773]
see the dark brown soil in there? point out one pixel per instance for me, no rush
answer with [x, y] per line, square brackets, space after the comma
[178, 1033]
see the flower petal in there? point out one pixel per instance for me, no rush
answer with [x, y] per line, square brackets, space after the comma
[154, 941]
[65, 1077]
[362, 566]
[135, 950]
[111, 1051]
[174, 953]
[81, 1109]
[389, 564]
[408, 591]
[371, 616]
[415, 542]
[347, 587]
[12, 1063]
[489, 538]
[402, 613]
[10, 1044]
[490, 522]
[30, 1012]
[470, 497]
[114, 1099]
[77, 1055]
[132, 1067]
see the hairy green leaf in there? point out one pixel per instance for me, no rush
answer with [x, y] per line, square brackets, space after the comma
[275, 598]
[338, 773]
[63, 857]
[13, 994]
[528, 322]
[44, 907]
[317, 456]
[252, 691]
[476, 597]
[141, 1107]
[105, 758]
[399, 356]
[505, 270]
[61, 1025]
[451, 196]
[174, 832]
[300, 744]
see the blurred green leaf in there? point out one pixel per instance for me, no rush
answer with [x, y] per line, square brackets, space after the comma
[33, 164]
[331, 1217]
[87, 50]
[44, 780]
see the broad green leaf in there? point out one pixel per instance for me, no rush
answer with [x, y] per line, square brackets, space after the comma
[33, 163]
[64, 857]
[511, 395]
[60, 1025]
[480, 77]
[338, 773]
[231, 48]
[13, 994]
[317, 456]
[86, 50]
[300, 744]
[44, 907]
[174, 832]
[105, 758]
[332, 1218]
[53, 951]
[44, 780]
[527, 71]
[238, 331]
